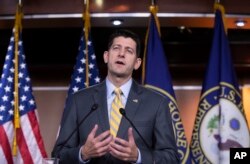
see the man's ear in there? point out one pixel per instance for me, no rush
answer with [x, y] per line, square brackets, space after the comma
[105, 57]
[137, 63]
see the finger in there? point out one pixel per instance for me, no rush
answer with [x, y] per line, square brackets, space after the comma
[130, 136]
[101, 151]
[90, 140]
[101, 148]
[96, 149]
[122, 142]
[115, 151]
[93, 131]
[102, 136]
[119, 145]
[105, 142]
[99, 154]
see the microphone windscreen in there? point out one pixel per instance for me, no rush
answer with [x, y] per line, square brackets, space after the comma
[94, 107]
[122, 111]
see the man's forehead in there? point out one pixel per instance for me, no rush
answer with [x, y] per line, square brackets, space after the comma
[128, 42]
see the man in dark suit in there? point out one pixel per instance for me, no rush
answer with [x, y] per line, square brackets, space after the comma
[95, 141]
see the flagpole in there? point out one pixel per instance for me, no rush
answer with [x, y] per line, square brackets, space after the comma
[153, 8]
[86, 19]
[17, 28]
[153, 2]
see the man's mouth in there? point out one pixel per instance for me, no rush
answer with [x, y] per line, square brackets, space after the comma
[120, 63]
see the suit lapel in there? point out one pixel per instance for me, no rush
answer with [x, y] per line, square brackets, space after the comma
[100, 97]
[131, 107]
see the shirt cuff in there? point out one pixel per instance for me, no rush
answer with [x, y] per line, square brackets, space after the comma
[139, 157]
[80, 157]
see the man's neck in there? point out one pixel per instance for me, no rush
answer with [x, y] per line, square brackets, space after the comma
[118, 81]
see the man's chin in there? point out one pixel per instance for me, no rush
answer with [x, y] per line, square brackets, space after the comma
[119, 74]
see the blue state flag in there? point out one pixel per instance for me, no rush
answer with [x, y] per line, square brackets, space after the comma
[220, 122]
[157, 77]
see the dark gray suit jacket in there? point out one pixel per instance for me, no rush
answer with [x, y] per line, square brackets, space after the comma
[148, 111]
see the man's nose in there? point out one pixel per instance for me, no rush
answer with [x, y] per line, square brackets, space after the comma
[122, 52]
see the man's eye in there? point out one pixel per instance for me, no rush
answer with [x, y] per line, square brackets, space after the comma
[115, 47]
[130, 51]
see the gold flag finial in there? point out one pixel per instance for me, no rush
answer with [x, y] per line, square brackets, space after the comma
[218, 6]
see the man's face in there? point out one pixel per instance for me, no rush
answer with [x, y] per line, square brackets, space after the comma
[121, 57]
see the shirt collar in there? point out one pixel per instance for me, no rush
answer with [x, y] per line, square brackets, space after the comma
[125, 88]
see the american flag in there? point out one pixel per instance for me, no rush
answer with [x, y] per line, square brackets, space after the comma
[78, 78]
[29, 140]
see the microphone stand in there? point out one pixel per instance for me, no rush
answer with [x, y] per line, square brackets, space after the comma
[123, 112]
[62, 144]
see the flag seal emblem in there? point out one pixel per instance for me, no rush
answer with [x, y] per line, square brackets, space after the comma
[221, 125]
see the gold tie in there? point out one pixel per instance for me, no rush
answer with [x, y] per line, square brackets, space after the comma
[115, 116]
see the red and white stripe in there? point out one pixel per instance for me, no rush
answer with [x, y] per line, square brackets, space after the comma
[29, 140]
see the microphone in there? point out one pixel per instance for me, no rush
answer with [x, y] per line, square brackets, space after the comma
[62, 144]
[123, 113]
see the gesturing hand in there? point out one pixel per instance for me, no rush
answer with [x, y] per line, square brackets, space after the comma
[125, 150]
[96, 146]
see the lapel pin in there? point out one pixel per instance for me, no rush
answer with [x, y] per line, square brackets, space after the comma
[135, 100]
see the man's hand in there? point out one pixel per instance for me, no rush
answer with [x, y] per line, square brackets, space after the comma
[125, 150]
[96, 146]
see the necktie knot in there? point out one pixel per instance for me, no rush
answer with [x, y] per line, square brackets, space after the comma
[118, 92]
